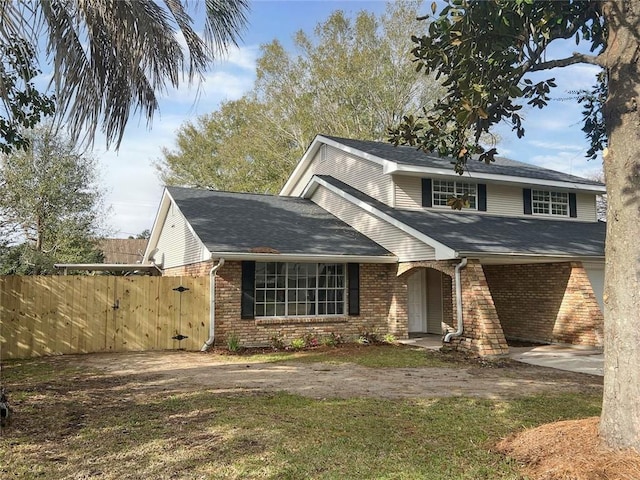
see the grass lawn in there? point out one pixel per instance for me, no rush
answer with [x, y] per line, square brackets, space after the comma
[73, 423]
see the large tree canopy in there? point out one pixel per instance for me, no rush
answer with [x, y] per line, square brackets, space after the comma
[50, 204]
[484, 50]
[351, 78]
[111, 58]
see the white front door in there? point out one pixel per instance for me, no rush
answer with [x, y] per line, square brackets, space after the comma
[416, 290]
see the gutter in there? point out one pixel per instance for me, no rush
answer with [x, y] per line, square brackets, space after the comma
[212, 306]
[457, 333]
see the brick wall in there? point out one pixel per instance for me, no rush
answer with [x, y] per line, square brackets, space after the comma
[383, 300]
[199, 269]
[549, 303]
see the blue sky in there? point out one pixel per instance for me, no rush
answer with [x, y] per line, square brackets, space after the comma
[553, 138]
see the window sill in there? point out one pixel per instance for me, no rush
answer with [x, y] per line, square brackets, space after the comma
[301, 320]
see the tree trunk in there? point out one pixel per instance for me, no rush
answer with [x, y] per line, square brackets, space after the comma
[620, 420]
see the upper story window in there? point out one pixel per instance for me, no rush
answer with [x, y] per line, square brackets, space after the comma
[442, 190]
[549, 202]
[546, 202]
[299, 289]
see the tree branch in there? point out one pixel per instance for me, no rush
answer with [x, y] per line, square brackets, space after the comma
[565, 62]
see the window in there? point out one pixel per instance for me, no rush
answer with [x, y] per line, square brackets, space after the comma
[299, 289]
[442, 190]
[545, 202]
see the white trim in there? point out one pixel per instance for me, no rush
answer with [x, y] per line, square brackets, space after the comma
[394, 168]
[519, 258]
[308, 258]
[443, 252]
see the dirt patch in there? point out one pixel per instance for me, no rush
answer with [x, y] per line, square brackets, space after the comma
[569, 450]
[193, 371]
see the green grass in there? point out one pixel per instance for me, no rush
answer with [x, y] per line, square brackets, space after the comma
[91, 425]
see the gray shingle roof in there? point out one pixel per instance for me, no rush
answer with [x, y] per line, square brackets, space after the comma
[477, 233]
[405, 155]
[251, 223]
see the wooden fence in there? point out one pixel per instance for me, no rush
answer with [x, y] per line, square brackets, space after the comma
[81, 314]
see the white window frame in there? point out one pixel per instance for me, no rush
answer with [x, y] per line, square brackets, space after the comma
[453, 187]
[550, 203]
[292, 289]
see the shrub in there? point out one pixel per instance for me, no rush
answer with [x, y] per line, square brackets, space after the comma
[368, 338]
[390, 339]
[333, 340]
[298, 343]
[311, 340]
[277, 342]
[233, 343]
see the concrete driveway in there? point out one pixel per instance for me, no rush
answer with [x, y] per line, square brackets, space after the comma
[572, 358]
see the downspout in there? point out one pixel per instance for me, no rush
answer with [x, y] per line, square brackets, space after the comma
[457, 333]
[212, 306]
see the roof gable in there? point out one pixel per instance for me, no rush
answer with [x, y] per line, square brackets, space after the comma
[243, 223]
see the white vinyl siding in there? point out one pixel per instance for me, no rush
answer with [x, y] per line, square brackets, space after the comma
[177, 245]
[586, 204]
[504, 200]
[357, 172]
[404, 246]
[408, 192]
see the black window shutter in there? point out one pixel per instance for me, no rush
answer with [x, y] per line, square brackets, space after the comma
[573, 205]
[426, 193]
[353, 271]
[526, 197]
[247, 304]
[482, 197]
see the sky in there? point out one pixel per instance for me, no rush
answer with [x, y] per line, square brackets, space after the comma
[553, 137]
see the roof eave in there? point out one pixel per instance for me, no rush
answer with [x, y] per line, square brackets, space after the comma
[394, 168]
[303, 257]
[520, 257]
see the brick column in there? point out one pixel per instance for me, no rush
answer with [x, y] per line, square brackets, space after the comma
[483, 333]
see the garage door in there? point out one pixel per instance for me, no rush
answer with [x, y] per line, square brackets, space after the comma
[596, 277]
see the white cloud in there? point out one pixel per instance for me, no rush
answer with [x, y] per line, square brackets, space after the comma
[568, 162]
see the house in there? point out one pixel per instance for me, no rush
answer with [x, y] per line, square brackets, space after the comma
[122, 250]
[361, 239]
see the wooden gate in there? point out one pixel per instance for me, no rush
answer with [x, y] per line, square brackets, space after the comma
[81, 314]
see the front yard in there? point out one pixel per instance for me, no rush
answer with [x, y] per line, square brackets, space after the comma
[368, 412]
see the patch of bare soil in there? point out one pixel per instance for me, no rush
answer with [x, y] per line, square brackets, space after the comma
[165, 371]
[569, 450]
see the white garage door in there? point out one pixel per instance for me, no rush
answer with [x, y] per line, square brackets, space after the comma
[596, 277]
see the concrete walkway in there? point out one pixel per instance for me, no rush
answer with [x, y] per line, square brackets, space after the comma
[572, 358]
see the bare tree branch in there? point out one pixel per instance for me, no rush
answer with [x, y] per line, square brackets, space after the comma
[565, 62]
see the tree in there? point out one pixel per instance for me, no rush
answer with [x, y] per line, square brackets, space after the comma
[22, 105]
[351, 78]
[50, 202]
[111, 57]
[485, 50]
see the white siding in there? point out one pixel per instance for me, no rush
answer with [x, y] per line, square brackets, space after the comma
[504, 200]
[404, 246]
[501, 199]
[177, 245]
[357, 172]
[408, 192]
[586, 204]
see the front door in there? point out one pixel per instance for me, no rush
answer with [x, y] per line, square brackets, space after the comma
[417, 311]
